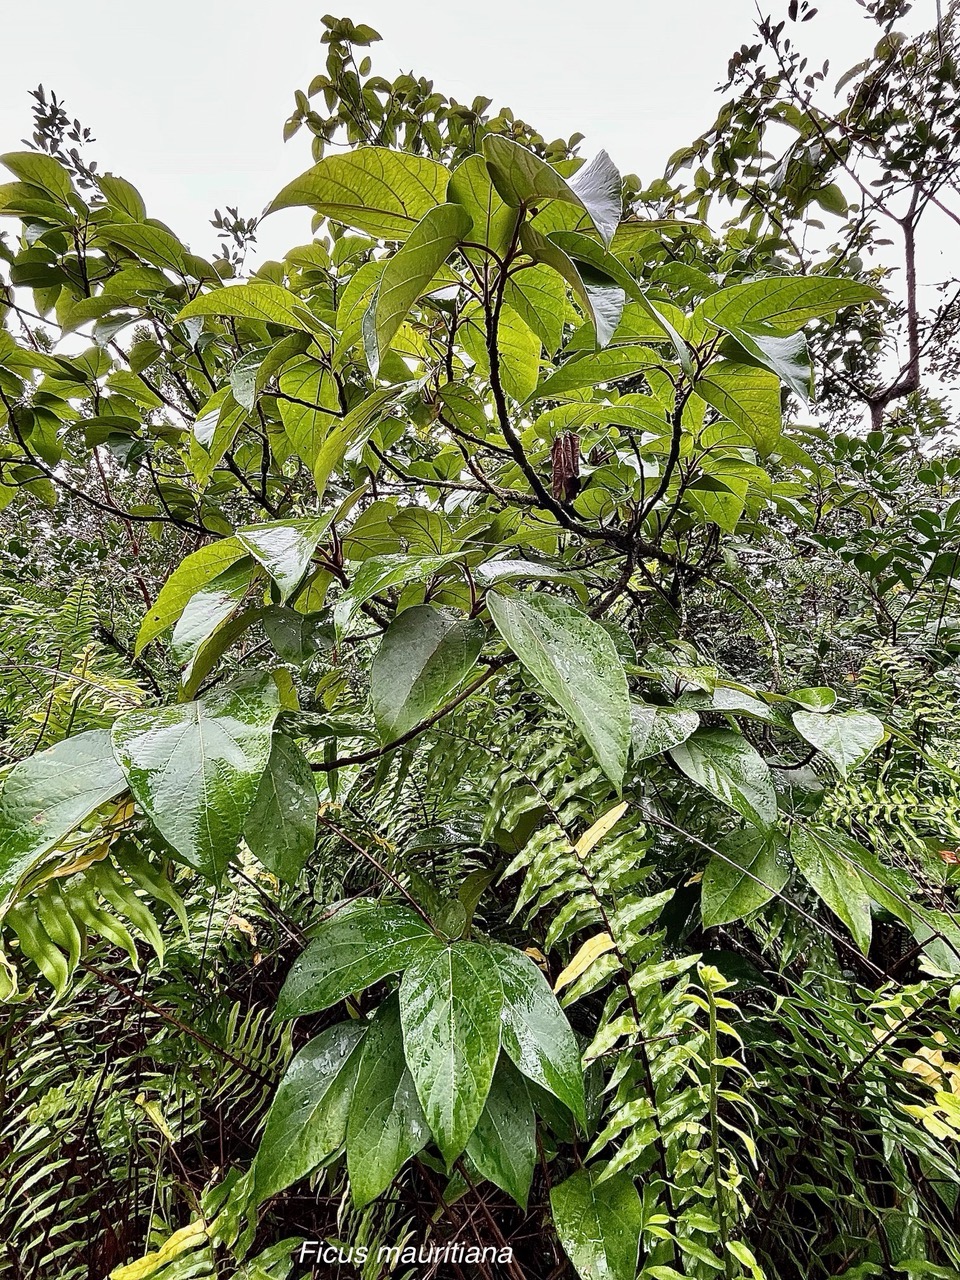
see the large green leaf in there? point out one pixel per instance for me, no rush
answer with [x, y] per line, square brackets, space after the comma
[786, 355]
[493, 220]
[537, 295]
[575, 660]
[450, 1005]
[597, 368]
[379, 573]
[601, 299]
[195, 767]
[281, 827]
[307, 1121]
[309, 406]
[422, 657]
[192, 573]
[257, 300]
[410, 270]
[599, 1224]
[522, 178]
[386, 1125]
[356, 947]
[724, 763]
[41, 171]
[783, 302]
[749, 396]
[503, 1146]
[656, 729]
[45, 796]
[384, 193]
[536, 1034]
[209, 608]
[285, 547]
[835, 880]
[752, 869]
[845, 738]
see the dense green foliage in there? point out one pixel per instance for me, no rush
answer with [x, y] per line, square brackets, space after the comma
[481, 751]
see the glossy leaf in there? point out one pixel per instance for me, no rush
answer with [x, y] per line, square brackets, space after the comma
[845, 738]
[192, 573]
[599, 1224]
[48, 794]
[601, 299]
[281, 827]
[285, 548]
[356, 947]
[451, 1001]
[386, 1125]
[409, 271]
[380, 573]
[834, 879]
[307, 1121]
[785, 355]
[752, 869]
[209, 608]
[503, 1146]
[574, 659]
[384, 193]
[423, 656]
[656, 729]
[536, 1034]
[195, 767]
[724, 763]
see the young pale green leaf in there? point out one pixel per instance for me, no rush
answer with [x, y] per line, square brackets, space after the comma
[195, 767]
[384, 193]
[537, 295]
[192, 573]
[307, 1121]
[386, 1125]
[536, 1034]
[575, 660]
[845, 738]
[784, 303]
[503, 1146]
[409, 271]
[45, 796]
[522, 178]
[41, 171]
[422, 657]
[358, 946]
[656, 729]
[209, 608]
[596, 368]
[599, 1224]
[724, 763]
[451, 1001]
[748, 396]
[379, 573]
[834, 879]
[257, 300]
[285, 548]
[493, 221]
[281, 827]
[752, 868]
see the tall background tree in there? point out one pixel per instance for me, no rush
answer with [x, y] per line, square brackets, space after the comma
[482, 765]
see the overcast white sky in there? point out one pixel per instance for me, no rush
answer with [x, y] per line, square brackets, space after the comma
[187, 98]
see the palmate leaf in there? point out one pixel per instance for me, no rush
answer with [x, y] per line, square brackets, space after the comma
[362, 943]
[384, 193]
[451, 1000]
[194, 767]
[576, 662]
[45, 796]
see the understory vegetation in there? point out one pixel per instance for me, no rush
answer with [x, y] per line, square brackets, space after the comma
[480, 728]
